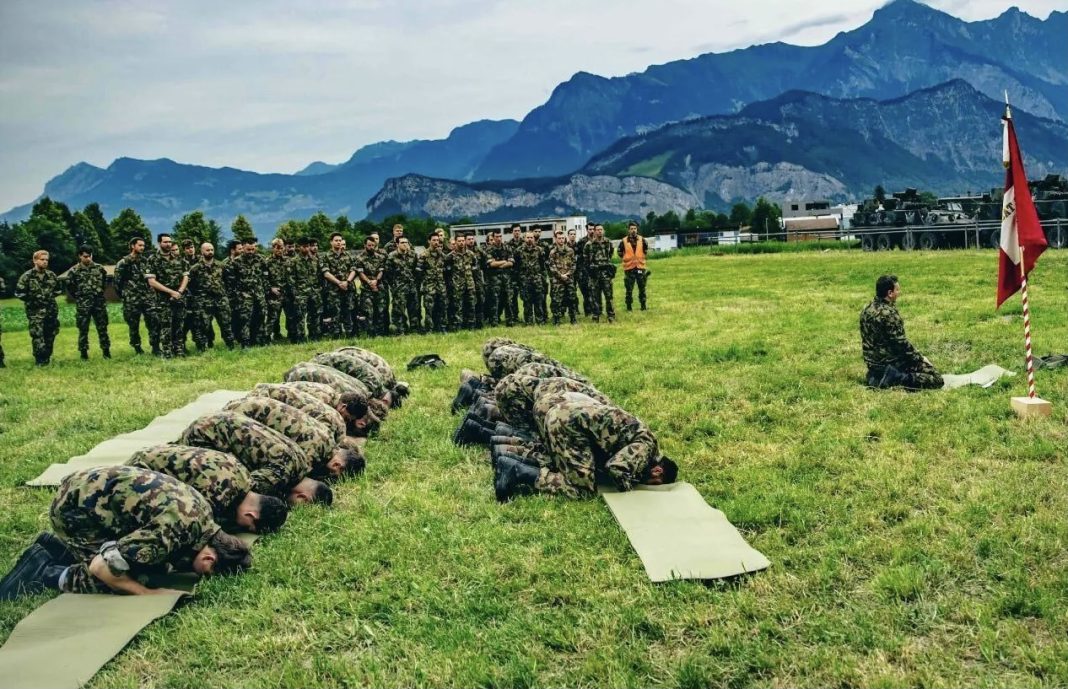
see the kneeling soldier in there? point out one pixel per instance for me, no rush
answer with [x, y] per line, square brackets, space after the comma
[115, 525]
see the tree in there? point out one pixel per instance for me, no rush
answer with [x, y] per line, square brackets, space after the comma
[56, 239]
[241, 229]
[126, 226]
[196, 227]
[110, 250]
[765, 220]
[741, 215]
[291, 230]
[85, 233]
[880, 193]
[320, 227]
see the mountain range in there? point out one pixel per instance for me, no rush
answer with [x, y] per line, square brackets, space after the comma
[908, 99]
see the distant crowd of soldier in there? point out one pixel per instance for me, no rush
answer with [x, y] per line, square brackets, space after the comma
[183, 291]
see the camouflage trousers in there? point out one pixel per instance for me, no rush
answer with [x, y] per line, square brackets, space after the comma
[406, 315]
[306, 314]
[97, 312]
[44, 326]
[133, 310]
[517, 289]
[499, 299]
[564, 300]
[339, 317]
[637, 276]
[272, 327]
[601, 288]
[921, 376]
[479, 312]
[462, 308]
[77, 579]
[533, 301]
[248, 318]
[170, 319]
[215, 309]
[583, 281]
[434, 308]
[373, 311]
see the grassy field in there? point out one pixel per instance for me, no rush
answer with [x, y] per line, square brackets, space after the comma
[916, 539]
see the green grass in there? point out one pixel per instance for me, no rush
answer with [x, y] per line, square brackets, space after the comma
[916, 539]
[649, 168]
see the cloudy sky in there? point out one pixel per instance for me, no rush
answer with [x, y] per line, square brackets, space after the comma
[273, 85]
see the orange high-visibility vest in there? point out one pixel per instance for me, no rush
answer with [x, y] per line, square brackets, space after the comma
[633, 256]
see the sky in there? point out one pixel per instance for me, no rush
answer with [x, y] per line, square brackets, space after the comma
[273, 85]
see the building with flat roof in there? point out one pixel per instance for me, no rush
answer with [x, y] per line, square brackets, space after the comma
[546, 227]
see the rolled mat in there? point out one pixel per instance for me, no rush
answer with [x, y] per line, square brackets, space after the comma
[162, 429]
[984, 377]
[677, 535]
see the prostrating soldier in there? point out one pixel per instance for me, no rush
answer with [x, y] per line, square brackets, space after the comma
[219, 477]
[315, 407]
[402, 275]
[432, 285]
[86, 282]
[167, 274]
[115, 527]
[213, 303]
[892, 360]
[137, 296]
[632, 251]
[562, 280]
[38, 288]
[583, 438]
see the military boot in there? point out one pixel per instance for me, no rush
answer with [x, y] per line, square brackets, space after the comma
[891, 377]
[137, 349]
[470, 432]
[27, 576]
[85, 355]
[106, 352]
[57, 549]
[513, 478]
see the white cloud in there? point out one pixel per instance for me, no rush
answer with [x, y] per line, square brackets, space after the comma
[273, 85]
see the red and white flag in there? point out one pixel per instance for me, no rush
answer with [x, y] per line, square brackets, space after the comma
[1021, 233]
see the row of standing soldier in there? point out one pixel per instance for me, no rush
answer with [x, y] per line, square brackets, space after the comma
[185, 291]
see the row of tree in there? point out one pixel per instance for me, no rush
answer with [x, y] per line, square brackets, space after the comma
[54, 227]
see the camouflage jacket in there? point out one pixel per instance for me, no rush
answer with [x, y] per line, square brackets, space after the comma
[598, 254]
[216, 475]
[38, 289]
[289, 393]
[276, 462]
[580, 256]
[339, 264]
[508, 358]
[317, 373]
[619, 444]
[498, 253]
[514, 394]
[402, 270]
[206, 280]
[249, 274]
[562, 263]
[314, 438]
[86, 283]
[167, 269]
[278, 273]
[385, 371]
[356, 367]
[461, 267]
[144, 518]
[371, 265]
[130, 280]
[304, 274]
[328, 394]
[530, 263]
[432, 268]
[882, 337]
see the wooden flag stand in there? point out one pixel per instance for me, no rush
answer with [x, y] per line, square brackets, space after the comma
[1032, 405]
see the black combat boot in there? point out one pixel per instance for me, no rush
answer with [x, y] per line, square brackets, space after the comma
[891, 377]
[513, 478]
[106, 352]
[644, 307]
[629, 306]
[57, 549]
[27, 576]
[85, 355]
[2, 364]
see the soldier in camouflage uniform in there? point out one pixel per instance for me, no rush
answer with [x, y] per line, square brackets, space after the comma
[191, 322]
[315, 407]
[277, 464]
[38, 288]
[582, 277]
[352, 399]
[278, 290]
[403, 277]
[584, 438]
[387, 250]
[136, 296]
[598, 254]
[167, 275]
[328, 460]
[114, 527]
[562, 280]
[339, 289]
[86, 282]
[461, 266]
[220, 478]
[478, 260]
[531, 270]
[432, 284]
[498, 281]
[371, 267]
[358, 368]
[304, 276]
[513, 245]
[892, 360]
[207, 285]
[250, 288]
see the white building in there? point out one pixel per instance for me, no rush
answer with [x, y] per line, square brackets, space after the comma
[547, 226]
